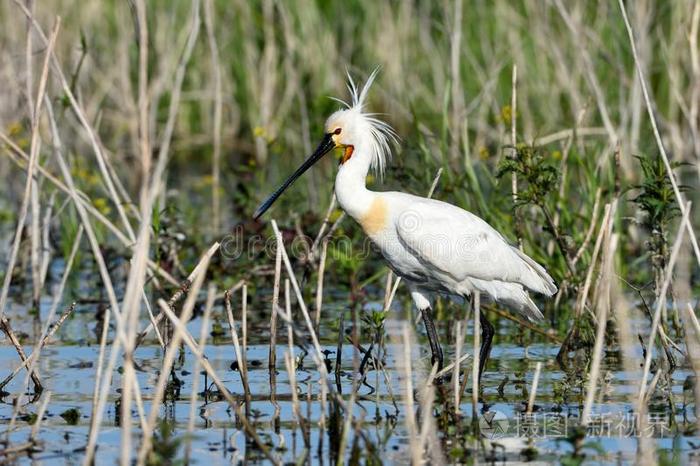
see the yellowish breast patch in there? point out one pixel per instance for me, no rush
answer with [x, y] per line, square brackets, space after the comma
[374, 220]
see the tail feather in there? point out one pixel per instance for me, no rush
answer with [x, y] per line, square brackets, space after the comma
[524, 305]
[536, 277]
[510, 294]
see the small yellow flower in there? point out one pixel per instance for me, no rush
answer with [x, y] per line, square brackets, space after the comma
[556, 154]
[259, 132]
[102, 205]
[484, 153]
[334, 215]
[506, 114]
[14, 129]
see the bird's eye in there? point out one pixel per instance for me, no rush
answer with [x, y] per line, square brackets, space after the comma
[337, 131]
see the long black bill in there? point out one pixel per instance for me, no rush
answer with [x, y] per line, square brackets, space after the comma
[323, 148]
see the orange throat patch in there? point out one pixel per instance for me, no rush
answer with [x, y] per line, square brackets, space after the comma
[347, 154]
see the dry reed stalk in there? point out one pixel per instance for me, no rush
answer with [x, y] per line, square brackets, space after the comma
[428, 439]
[184, 289]
[695, 66]
[28, 58]
[324, 404]
[50, 330]
[98, 373]
[244, 322]
[339, 348]
[356, 378]
[84, 202]
[35, 245]
[457, 110]
[33, 358]
[291, 371]
[143, 100]
[455, 372]
[661, 302]
[410, 415]
[324, 226]
[39, 417]
[347, 424]
[167, 364]
[476, 303]
[7, 330]
[513, 142]
[692, 343]
[80, 114]
[288, 317]
[35, 204]
[152, 319]
[591, 228]
[533, 389]
[33, 155]
[318, 353]
[134, 291]
[451, 366]
[604, 225]
[203, 332]
[218, 111]
[569, 133]
[46, 242]
[319, 284]
[576, 29]
[104, 275]
[662, 150]
[388, 288]
[242, 368]
[89, 230]
[175, 95]
[306, 428]
[603, 304]
[627, 343]
[272, 355]
[694, 320]
[131, 309]
[248, 428]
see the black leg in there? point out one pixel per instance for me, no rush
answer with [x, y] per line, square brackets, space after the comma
[487, 332]
[427, 314]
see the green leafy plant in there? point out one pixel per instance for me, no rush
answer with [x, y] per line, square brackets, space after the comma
[657, 202]
[537, 179]
[165, 446]
[71, 416]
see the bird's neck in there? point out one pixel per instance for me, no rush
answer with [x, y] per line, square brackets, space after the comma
[350, 184]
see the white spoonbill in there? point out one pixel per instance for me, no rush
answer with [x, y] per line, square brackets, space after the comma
[434, 246]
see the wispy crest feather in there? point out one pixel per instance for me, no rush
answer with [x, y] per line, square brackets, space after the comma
[381, 134]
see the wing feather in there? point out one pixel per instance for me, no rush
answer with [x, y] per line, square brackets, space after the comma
[457, 243]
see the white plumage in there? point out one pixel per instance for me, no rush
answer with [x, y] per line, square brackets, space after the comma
[435, 246]
[438, 247]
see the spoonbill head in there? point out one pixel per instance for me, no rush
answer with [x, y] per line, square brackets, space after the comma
[436, 247]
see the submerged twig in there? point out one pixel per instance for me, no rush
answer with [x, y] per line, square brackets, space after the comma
[29, 360]
[7, 330]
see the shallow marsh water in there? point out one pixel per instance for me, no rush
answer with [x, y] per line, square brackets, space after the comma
[68, 369]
